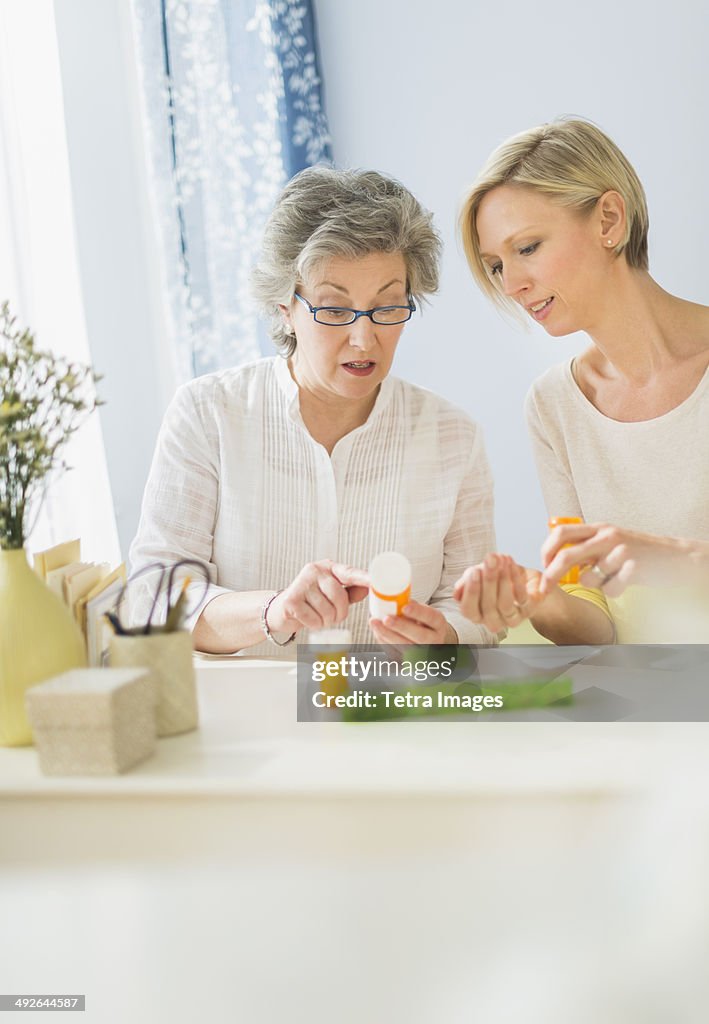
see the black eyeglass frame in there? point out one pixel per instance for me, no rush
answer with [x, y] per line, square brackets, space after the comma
[357, 313]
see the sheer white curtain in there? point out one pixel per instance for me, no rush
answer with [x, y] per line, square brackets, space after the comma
[39, 272]
[232, 108]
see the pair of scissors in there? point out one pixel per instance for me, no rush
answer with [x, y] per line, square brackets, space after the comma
[167, 574]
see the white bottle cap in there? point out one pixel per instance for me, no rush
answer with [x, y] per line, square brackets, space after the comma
[389, 573]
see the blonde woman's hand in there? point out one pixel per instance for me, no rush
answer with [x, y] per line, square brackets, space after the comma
[612, 558]
[498, 593]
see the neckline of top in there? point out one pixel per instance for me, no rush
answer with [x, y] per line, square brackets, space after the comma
[290, 389]
[662, 418]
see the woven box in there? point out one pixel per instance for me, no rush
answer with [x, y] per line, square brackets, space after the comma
[93, 721]
[168, 658]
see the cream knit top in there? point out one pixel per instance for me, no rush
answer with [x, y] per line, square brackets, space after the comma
[651, 476]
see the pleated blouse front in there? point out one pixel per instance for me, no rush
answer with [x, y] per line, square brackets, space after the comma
[239, 483]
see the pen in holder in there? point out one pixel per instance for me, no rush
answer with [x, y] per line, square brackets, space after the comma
[164, 649]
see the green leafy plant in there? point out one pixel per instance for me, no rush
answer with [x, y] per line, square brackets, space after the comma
[44, 399]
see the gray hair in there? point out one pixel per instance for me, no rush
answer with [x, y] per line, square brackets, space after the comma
[324, 213]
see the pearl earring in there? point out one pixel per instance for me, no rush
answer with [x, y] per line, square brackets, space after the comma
[609, 242]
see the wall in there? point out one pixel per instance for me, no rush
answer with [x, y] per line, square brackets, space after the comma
[425, 90]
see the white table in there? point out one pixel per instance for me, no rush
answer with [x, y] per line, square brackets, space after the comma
[262, 869]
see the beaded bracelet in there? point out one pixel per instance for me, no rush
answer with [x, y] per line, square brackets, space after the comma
[264, 623]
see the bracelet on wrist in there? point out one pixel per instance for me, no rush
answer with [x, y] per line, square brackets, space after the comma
[264, 623]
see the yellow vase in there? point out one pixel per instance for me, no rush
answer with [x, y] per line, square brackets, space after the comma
[39, 638]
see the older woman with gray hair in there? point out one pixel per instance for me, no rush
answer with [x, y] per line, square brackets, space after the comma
[289, 474]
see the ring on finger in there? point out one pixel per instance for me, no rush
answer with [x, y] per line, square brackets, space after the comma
[513, 614]
[600, 575]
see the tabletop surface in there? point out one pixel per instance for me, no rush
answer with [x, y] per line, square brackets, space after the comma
[266, 869]
[250, 743]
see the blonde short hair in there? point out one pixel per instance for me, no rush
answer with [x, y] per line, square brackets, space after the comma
[324, 212]
[571, 162]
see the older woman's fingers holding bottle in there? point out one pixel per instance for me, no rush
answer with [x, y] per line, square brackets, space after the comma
[355, 581]
[417, 624]
[315, 599]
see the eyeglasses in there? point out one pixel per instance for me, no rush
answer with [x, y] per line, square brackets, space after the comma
[340, 316]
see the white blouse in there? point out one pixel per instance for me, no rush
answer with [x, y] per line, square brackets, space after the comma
[238, 482]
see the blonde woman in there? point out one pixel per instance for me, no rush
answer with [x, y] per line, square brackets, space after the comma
[555, 228]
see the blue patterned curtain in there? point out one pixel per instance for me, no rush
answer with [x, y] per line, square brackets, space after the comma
[233, 108]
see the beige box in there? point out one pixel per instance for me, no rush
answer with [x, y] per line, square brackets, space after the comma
[93, 721]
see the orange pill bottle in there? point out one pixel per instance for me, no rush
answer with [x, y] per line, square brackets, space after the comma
[332, 646]
[572, 576]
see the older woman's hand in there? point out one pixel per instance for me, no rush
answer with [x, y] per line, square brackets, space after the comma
[498, 593]
[319, 597]
[417, 624]
[612, 558]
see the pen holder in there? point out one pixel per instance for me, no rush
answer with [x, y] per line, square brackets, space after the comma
[168, 657]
